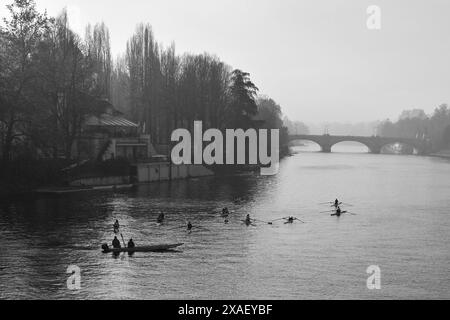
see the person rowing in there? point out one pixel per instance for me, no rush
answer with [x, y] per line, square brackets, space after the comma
[225, 212]
[336, 203]
[131, 243]
[189, 226]
[116, 243]
[116, 226]
[160, 218]
[247, 220]
[338, 212]
[290, 220]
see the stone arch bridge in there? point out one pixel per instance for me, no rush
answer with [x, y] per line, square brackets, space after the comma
[374, 143]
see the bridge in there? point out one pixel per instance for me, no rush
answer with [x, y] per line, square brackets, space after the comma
[374, 143]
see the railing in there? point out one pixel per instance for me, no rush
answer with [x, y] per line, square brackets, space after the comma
[131, 141]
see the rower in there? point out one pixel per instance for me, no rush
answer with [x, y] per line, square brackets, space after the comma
[225, 211]
[248, 220]
[160, 218]
[336, 203]
[131, 243]
[338, 211]
[116, 225]
[189, 226]
[116, 243]
[290, 220]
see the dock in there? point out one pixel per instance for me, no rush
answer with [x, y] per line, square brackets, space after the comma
[65, 190]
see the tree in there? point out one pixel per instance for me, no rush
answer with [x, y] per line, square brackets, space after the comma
[243, 99]
[68, 86]
[270, 112]
[295, 127]
[98, 50]
[144, 67]
[415, 124]
[387, 129]
[414, 113]
[20, 38]
[446, 136]
[437, 124]
[120, 86]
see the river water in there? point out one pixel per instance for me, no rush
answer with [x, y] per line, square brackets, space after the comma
[402, 225]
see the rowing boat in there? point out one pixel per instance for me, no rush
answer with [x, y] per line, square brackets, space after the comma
[155, 248]
[338, 214]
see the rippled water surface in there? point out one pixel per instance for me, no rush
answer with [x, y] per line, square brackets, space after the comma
[402, 225]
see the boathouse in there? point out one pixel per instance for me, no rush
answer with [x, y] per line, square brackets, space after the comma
[106, 134]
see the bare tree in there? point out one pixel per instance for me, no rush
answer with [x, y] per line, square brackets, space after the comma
[20, 38]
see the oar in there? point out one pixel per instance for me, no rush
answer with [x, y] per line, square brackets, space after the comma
[326, 202]
[347, 204]
[333, 205]
[123, 240]
[327, 211]
[354, 214]
[268, 222]
[299, 220]
[278, 219]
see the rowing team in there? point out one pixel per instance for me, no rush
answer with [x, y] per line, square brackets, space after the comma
[338, 212]
[116, 242]
[225, 212]
[337, 208]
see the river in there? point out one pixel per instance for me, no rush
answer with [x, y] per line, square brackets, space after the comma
[402, 225]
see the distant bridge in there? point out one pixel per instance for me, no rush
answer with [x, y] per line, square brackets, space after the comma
[374, 143]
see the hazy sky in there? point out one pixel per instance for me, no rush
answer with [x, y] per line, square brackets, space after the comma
[316, 58]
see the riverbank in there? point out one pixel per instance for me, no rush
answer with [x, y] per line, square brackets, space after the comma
[96, 178]
[442, 154]
[56, 177]
[65, 190]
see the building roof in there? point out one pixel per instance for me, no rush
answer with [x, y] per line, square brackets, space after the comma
[107, 120]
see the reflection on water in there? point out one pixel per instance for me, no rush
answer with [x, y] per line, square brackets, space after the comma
[402, 225]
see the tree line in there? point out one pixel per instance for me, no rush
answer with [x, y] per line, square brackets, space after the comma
[434, 128]
[51, 78]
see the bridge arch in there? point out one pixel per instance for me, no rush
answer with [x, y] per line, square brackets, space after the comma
[356, 143]
[314, 142]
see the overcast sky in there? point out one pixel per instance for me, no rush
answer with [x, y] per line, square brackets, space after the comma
[316, 58]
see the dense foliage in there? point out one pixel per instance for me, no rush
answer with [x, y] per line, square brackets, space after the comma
[416, 124]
